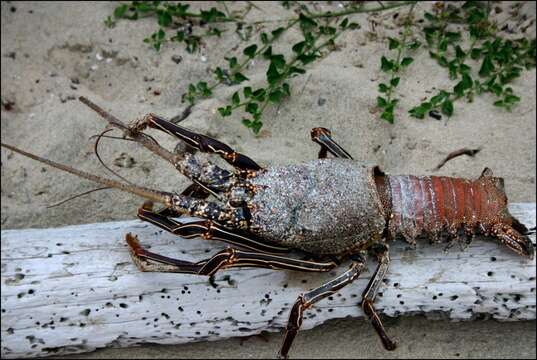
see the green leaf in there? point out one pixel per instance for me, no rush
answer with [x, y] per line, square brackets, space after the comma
[267, 53]
[443, 45]
[238, 78]
[447, 107]
[247, 92]
[256, 126]
[273, 76]
[453, 69]
[383, 88]
[251, 107]
[487, 66]
[459, 53]
[164, 18]
[385, 64]
[453, 36]
[344, 23]
[442, 61]
[247, 122]
[276, 33]
[276, 96]
[511, 99]
[306, 23]
[179, 37]
[438, 98]
[464, 84]
[259, 94]
[306, 58]
[299, 47]
[381, 102]
[395, 81]
[429, 16]
[232, 62]
[388, 116]
[160, 34]
[225, 111]
[414, 45]
[393, 43]
[264, 38]
[250, 51]
[499, 103]
[464, 69]
[286, 89]
[475, 53]
[467, 81]
[235, 99]
[420, 111]
[406, 61]
[278, 61]
[297, 70]
[120, 11]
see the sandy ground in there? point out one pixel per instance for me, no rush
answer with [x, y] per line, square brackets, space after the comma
[49, 57]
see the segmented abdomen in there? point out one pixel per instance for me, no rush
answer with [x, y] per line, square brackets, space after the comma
[433, 205]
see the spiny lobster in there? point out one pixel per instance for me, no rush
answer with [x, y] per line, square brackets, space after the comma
[330, 209]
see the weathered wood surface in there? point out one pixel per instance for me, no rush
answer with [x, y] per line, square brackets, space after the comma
[75, 289]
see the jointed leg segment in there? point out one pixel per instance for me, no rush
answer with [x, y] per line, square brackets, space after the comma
[149, 261]
[306, 300]
[323, 137]
[206, 229]
[202, 142]
[369, 294]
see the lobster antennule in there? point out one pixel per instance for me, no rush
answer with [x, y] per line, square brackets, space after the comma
[150, 194]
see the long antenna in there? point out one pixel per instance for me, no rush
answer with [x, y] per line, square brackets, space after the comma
[150, 194]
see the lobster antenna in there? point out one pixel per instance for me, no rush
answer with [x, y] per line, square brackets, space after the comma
[150, 194]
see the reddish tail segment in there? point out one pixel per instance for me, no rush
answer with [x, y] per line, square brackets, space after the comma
[434, 206]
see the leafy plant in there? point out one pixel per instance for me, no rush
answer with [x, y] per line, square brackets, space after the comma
[499, 60]
[394, 66]
[319, 30]
[173, 16]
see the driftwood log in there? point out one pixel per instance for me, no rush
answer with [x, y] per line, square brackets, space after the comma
[75, 289]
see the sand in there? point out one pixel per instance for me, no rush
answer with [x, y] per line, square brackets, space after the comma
[52, 53]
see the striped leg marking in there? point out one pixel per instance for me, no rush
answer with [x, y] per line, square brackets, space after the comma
[149, 261]
[368, 297]
[205, 229]
[199, 141]
[323, 137]
[306, 300]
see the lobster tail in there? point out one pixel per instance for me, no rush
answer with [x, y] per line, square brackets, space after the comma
[438, 207]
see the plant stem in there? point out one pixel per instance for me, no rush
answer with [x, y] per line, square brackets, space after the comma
[406, 33]
[293, 61]
[330, 14]
[260, 51]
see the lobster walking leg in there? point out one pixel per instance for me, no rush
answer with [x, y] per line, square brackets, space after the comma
[205, 229]
[210, 177]
[323, 137]
[199, 141]
[149, 261]
[306, 300]
[369, 294]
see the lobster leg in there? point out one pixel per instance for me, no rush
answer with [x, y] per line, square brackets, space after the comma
[369, 294]
[210, 177]
[205, 229]
[199, 141]
[149, 261]
[323, 137]
[306, 300]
